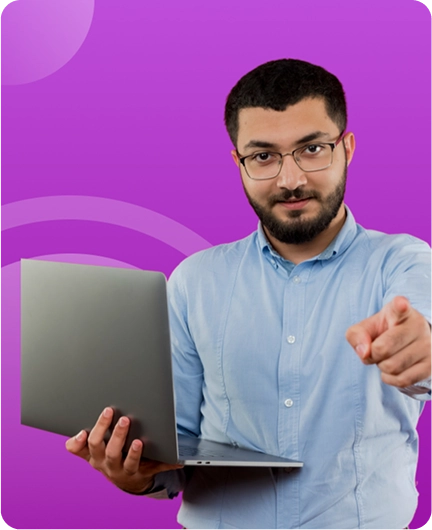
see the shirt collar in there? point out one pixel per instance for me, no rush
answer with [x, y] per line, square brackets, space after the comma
[339, 244]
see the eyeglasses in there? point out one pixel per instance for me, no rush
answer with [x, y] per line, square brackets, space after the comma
[266, 165]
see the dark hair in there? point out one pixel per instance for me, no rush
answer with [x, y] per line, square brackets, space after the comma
[278, 84]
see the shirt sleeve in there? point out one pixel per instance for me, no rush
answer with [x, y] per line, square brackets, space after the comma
[187, 367]
[422, 387]
[408, 273]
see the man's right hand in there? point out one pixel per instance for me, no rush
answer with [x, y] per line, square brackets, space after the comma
[131, 473]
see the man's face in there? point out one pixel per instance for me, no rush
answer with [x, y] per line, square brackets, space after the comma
[295, 206]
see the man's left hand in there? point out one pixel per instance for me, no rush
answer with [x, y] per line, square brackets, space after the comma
[398, 340]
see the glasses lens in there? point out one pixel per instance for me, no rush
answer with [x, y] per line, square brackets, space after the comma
[266, 165]
[263, 165]
[314, 157]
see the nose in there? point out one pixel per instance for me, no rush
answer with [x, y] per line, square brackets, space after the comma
[290, 176]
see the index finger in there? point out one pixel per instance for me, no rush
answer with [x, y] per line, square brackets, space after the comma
[398, 310]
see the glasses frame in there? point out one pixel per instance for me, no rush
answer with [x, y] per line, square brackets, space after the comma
[333, 146]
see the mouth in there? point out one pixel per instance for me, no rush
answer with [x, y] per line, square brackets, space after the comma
[295, 204]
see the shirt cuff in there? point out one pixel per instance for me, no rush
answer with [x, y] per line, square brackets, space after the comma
[423, 389]
[420, 390]
[167, 485]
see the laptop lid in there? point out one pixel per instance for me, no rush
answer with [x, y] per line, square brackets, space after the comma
[93, 337]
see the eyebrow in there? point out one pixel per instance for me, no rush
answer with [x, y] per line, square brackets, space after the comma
[269, 145]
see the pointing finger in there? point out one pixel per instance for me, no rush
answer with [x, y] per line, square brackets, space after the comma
[361, 335]
[397, 311]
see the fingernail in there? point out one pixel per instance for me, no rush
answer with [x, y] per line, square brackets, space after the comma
[123, 421]
[107, 412]
[361, 349]
[79, 436]
[136, 445]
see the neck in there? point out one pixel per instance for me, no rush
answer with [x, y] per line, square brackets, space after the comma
[299, 253]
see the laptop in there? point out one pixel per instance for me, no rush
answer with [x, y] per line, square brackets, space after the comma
[93, 337]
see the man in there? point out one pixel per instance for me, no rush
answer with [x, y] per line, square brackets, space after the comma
[258, 334]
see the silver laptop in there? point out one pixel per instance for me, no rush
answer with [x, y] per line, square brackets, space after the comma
[95, 336]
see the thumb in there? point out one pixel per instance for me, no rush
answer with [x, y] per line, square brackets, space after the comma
[361, 335]
[77, 445]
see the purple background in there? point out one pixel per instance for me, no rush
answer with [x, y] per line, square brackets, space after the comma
[114, 152]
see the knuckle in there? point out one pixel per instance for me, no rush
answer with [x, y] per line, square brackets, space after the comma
[92, 443]
[128, 471]
[379, 349]
[117, 439]
[389, 367]
[95, 464]
[403, 380]
[109, 458]
[131, 462]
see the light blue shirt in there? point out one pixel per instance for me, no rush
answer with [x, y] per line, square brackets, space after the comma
[261, 361]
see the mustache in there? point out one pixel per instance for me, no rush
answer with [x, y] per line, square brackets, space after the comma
[298, 194]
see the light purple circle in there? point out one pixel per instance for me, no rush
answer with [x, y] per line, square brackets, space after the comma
[110, 211]
[39, 37]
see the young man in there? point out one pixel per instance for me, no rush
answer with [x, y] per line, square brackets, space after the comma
[309, 339]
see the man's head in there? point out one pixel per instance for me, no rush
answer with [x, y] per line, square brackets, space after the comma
[283, 107]
[278, 84]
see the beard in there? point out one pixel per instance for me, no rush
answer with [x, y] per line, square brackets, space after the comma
[297, 230]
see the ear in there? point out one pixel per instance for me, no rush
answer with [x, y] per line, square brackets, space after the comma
[349, 143]
[235, 157]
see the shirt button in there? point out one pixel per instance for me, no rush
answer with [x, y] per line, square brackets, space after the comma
[288, 403]
[296, 279]
[291, 339]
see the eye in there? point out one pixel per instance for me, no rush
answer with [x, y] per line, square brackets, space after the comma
[264, 158]
[313, 149]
